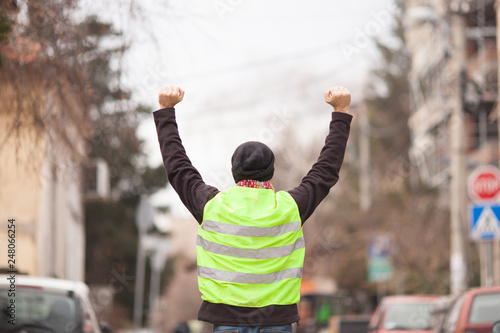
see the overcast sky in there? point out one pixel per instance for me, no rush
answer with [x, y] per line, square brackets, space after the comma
[249, 68]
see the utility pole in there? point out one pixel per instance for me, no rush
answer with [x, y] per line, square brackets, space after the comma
[365, 174]
[143, 221]
[160, 247]
[458, 267]
[496, 247]
[140, 272]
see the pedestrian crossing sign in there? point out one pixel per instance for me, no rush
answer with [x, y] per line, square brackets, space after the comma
[484, 222]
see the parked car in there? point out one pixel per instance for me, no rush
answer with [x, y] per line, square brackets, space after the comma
[496, 327]
[439, 312]
[474, 311]
[403, 313]
[41, 305]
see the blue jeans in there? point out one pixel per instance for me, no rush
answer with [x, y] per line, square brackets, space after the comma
[253, 329]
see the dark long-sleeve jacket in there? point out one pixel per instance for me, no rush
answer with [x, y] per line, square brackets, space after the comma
[195, 193]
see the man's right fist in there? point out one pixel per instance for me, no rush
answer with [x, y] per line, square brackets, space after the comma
[170, 96]
[339, 98]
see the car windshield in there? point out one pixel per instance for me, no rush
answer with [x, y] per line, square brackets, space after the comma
[485, 309]
[414, 316]
[39, 310]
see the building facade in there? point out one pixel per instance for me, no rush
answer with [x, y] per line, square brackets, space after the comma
[41, 154]
[41, 190]
[454, 90]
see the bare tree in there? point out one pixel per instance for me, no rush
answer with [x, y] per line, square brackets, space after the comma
[55, 74]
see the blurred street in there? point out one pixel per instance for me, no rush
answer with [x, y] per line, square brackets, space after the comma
[96, 239]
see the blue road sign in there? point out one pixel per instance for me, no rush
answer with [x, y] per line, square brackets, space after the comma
[484, 222]
[380, 267]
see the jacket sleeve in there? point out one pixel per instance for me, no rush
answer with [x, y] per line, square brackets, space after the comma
[325, 172]
[182, 175]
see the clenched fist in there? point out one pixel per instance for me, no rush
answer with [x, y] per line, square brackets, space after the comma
[170, 96]
[339, 98]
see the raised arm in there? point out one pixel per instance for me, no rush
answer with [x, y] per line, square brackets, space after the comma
[182, 175]
[325, 172]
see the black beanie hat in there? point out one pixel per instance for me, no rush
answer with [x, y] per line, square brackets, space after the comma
[252, 160]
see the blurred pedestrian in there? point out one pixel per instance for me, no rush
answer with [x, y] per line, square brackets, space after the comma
[250, 246]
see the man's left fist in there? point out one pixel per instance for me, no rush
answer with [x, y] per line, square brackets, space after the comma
[170, 96]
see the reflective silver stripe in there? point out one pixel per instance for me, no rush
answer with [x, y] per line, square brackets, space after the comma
[240, 230]
[236, 277]
[264, 253]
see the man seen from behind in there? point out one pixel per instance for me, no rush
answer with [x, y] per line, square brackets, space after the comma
[250, 246]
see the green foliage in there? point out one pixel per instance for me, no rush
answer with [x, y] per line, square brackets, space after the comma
[387, 97]
[409, 212]
[77, 61]
[154, 179]
[69, 58]
[115, 140]
[404, 208]
[5, 29]
[111, 249]
[112, 237]
[97, 36]
[113, 135]
[5, 25]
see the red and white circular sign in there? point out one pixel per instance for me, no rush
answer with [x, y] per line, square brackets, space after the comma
[484, 184]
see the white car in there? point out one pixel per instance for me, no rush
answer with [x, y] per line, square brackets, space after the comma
[41, 305]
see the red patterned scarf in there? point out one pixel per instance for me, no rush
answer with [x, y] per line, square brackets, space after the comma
[255, 184]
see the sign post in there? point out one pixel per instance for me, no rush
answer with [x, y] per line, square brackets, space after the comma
[485, 227]
[484, 189]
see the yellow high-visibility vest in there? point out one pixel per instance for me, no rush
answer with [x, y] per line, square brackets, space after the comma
[250, 248]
